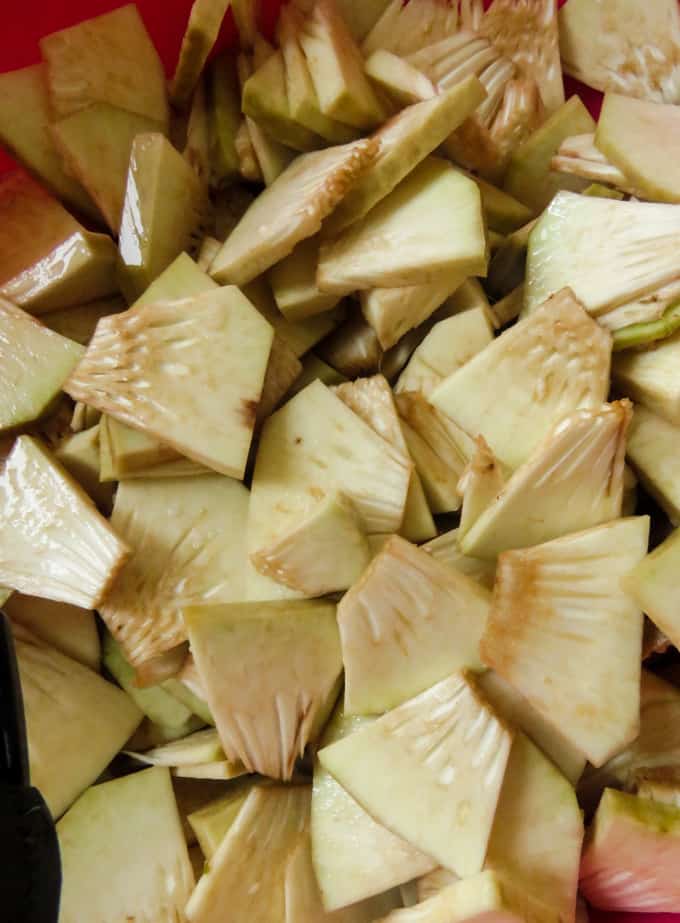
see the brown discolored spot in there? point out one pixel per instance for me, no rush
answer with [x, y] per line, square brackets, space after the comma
[248, 413]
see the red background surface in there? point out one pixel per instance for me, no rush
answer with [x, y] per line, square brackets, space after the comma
[24, 22]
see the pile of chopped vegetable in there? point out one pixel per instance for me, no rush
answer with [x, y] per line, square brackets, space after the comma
[340, 440]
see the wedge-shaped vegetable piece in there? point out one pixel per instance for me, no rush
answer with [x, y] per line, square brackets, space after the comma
[219, 770]
[657, 745]
[142, 869]
[529, 177]
[303, 899]
[108, 59]
[653, 583]
[623, 47]
[54, 542]
[247, 872]
[269, 670]
[484, 896]
[533, 365]
[445, 549]
[572, 481]
[430, 225]
[448, 346]
[201, 34]
[125, 450]
[291, 210]
[293, 282]
[76, 721]
[157, 703]
[520, 713]
[527, 33]
[95, 144]
[373, 401]
[217, 340]
[337, 68]
[570, 589]
[163, 209]
[24, 132]
[197, 748]
[182, 279]
[392, 312]
[447, 749]
[653, 448]
[639, 252]
[323, 553]
[34, 363]
[70, 629]
[272, 156]
[402, 30]
[630, 859]
[405, 141]
[354, 856]
[188, 688]
[538, 830]
[224, 105]
[405, 625]
[182, 555]
[211, 821]
[651, 377]
[315, 445]
[265, 101]
[49, 260]
[400, 80]
[480, 485]
[303, 101]
[439, 447]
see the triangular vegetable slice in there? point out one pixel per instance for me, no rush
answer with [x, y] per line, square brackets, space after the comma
[303, 899]
[199, 747]
[572, 481]
[401, 80]
[70, 629]
[405, 141]
[290, 210]
[649, 376]
[403, 30]
[162, 213]
[76, 721]
[48, 259]
[527, 33]
[211, 821]
[538, 830]
[354, 856]
[302, 97]
[555, 605]
[247, 872]
[293, 282]
[337, 68]
[529, 176]
[182, 555]
[637, 250]
[405, 625]
[54, 543]
[95, 144]
[217, 340]
[34, 363]
[142, 869]
[430, 225]
[631, 857]
[201, 34]
[484, 896]
[315, 445]
[654, 452]
[624, 47]
[108, 59]
[325, 552]
[269, 670]
[653, 584]
[480, 485]
[448, 751]
[533, 365]
[24, 132]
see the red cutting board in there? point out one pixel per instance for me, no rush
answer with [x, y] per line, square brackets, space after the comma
[26, 21]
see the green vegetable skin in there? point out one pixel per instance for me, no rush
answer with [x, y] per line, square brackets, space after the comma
[349, 496]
